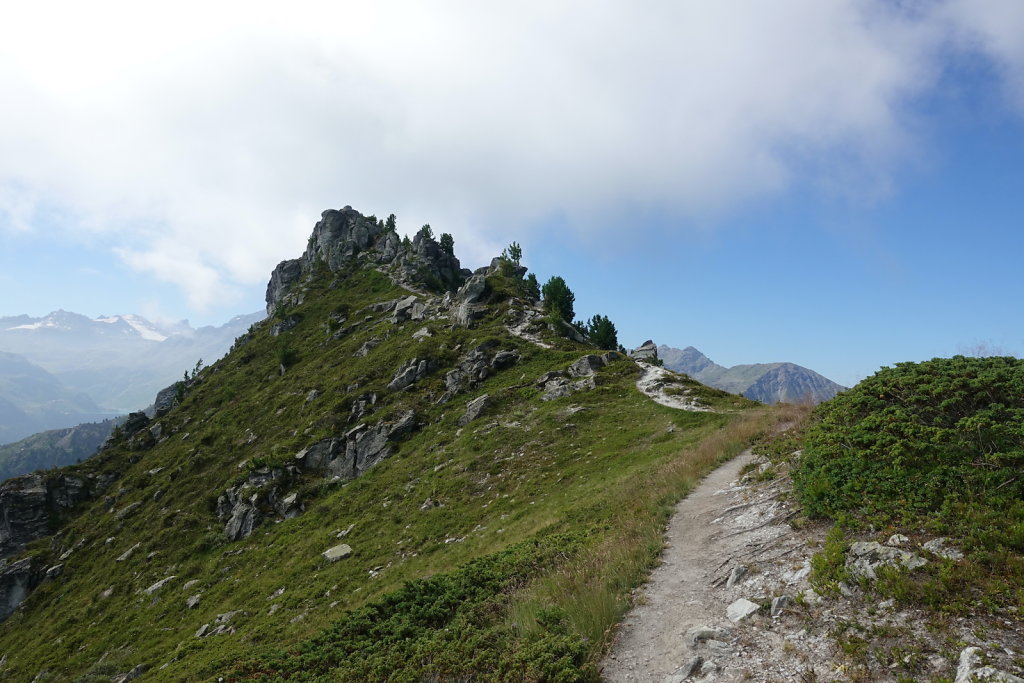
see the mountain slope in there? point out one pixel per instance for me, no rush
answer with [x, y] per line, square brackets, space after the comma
[520, 489]
[764, 382]
[53, 448]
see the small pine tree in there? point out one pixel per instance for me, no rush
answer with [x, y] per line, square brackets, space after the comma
[531, 288]
[558, 298]
[391, 224]
[447, 243]
[426, 232]
[601, 332]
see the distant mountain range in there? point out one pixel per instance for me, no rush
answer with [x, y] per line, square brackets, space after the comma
[65, 368]
[765, 382]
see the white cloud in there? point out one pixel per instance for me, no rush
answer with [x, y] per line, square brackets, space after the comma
[204, 139]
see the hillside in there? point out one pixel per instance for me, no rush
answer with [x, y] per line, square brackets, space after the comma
[54, 448]
[33, 400]
[401, 473]
[764, 382]
[119, 362]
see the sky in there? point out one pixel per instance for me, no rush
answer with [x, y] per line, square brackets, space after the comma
[837, 184]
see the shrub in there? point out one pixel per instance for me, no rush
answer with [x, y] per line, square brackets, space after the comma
[919, 439]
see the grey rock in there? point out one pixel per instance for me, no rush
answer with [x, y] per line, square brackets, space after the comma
[192, 601]
[466, 314]
[286, 325]
[474, 409]
[646, 351]
[504, 359]
[360, 448]
[17, 581]
[741, 609]
[27, 504]
[686, 671]
[132, 675]
[338, 552]
[128, 553]
[166, 399]
[403, 310]
[367, 346]
[897, 540]
[158, 585]
[939, 547]
[737, 573]
[700, 634]
[422, 333]
[971, 669]
[865, 557]
[586, 366]
[411, 372]
[473, 291]
[343, 238]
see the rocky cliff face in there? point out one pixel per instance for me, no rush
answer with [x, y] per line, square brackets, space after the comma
[764, 382]
[344, 238]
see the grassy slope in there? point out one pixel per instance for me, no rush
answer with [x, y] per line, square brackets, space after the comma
[526, 470]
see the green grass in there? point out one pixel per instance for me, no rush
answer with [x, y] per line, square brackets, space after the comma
[549, 512]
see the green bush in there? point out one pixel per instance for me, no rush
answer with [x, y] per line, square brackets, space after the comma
[920, 440]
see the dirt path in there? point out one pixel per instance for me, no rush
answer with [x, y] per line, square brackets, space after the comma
[679, 629]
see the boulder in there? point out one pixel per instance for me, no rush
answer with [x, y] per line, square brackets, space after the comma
[474, 409]
[166, 399]
[411, 372]
[403, 310]
[338, 552]
[647, 351]
[939, 547]
[741, 609]
[586, 366]
[473, 291]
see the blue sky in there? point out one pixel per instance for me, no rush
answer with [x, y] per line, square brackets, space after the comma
[834, 184]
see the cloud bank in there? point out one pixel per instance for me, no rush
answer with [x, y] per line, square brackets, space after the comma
[201, 141]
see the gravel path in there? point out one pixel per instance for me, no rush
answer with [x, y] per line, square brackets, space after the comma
[679, 629]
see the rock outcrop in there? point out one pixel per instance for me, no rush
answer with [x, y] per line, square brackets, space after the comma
[17, 580]
[345, 238]
[647, 351]
[243, 507]
[358, 450]
[29, 503]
